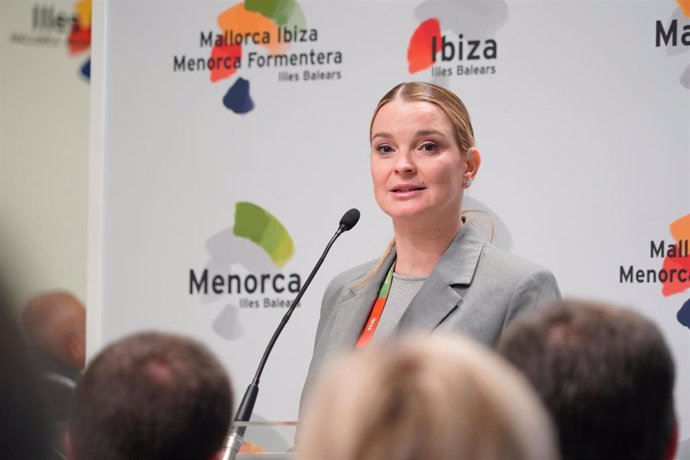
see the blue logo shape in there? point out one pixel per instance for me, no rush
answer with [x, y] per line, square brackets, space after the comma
[86, 69]
[237, 98]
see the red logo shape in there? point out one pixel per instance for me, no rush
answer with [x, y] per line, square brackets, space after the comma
[419, 56]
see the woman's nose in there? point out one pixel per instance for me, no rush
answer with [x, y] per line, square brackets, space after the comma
[404, 164]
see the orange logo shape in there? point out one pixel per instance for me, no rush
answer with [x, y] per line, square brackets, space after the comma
[680, 231]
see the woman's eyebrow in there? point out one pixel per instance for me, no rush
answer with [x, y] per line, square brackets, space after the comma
[420, 133]
[382, 134]
[428, 132]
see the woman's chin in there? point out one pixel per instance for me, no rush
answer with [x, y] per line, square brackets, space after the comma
[420, 215]
[407, 214]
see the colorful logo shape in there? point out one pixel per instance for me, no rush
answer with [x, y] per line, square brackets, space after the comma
[237, 253]
[677, 261]
[255, 23]
[79, 39]
[262, 228]
[418, 55]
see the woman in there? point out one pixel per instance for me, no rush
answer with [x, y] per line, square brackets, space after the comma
[438, 398]
[440, 273]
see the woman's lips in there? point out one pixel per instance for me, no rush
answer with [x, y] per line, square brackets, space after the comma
[407, 190]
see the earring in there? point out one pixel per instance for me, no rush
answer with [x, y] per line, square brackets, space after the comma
[467, 182]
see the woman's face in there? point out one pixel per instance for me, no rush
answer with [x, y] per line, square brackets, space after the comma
[416, 165]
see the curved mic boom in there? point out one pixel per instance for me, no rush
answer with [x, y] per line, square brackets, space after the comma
[246, 407]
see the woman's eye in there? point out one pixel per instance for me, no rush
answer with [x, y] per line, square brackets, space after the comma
[429, 147]
[384, 148]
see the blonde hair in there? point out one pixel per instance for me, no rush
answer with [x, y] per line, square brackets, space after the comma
[433, 398]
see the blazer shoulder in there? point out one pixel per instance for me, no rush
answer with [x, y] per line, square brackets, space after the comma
[528, 283]
[513, 267]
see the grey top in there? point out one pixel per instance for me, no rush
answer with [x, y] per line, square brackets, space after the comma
[402, 291]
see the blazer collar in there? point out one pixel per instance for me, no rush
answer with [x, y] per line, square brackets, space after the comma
[459, 262]
[435, 300]
[354, 309]
[439, 295]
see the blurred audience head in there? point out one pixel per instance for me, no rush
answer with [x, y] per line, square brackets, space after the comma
[151, 396]
[436, 398]
[24, 428]
[55, 325]
[605, 373]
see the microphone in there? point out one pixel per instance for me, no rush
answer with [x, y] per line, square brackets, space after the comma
[349, 220]
[246, 407]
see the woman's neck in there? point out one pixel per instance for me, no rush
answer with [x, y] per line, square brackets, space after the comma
[419, 247]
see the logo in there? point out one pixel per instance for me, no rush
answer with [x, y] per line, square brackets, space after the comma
[79, 40]
[674, 35]
[257, 225]
[50, 27]
[245, 265]
[678, 259]
[261, 36]
[450, 54]
[674, 275]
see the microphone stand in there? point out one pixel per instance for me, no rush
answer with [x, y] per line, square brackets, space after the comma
[244, 412]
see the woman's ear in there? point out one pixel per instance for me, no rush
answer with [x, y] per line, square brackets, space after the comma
[474, 159]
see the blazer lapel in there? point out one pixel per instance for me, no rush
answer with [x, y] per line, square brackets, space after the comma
[353, 310]
[438, 297]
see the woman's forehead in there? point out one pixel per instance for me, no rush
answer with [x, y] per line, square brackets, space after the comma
[400, 114]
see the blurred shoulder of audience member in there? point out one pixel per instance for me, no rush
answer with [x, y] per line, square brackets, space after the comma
[151, 396]
[436, 398]
[605, 373]
[24, 428]
[55, 326]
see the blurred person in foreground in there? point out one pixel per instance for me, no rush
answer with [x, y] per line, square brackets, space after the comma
[55, 327]
[151, 396]
[432, 398]
[605, 373]
[24, 428]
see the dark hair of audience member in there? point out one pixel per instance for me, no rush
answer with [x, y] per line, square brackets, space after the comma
[24, 428]
[605, 373]
[151, 396]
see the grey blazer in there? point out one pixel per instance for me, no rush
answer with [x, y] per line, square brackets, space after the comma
[475, 289]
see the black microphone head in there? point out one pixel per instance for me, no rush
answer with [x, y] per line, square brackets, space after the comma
[349, 219]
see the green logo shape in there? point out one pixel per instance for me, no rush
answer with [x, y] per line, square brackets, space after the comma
[282, 12]
[261, 227]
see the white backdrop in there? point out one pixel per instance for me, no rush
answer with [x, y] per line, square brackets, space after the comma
[583, 125]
